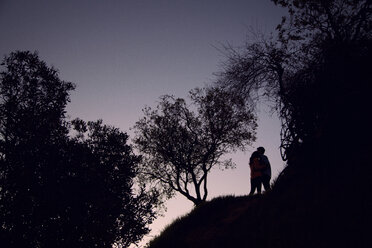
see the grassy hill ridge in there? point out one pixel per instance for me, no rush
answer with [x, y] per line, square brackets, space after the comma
[205, 222]
[309, 206]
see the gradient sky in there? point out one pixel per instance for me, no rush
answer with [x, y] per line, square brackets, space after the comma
[124, 54]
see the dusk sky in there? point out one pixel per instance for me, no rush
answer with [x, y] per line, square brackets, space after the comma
[123, 54]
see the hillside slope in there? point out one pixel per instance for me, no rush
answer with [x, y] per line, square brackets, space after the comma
[311, 205]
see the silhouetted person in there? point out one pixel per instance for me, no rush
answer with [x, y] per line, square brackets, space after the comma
[266, 171]
[256, 172]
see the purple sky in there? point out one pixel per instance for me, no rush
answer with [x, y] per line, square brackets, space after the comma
[124, 54]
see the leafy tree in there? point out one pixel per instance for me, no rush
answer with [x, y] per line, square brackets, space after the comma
[181, 143]
[318, 72]
[62, 184]
[32, 105]
[103, 169]
[313, 69]
[316, 21]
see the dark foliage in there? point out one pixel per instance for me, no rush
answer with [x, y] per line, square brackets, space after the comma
[58, 190]
[324, 95]
[316, 71]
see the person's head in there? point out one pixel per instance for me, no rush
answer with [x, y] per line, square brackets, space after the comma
[261, 150]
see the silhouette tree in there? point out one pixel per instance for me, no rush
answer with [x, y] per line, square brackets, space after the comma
[313, 69]
[58, 190]
[181, 143]
[318, 72]
[103, 169]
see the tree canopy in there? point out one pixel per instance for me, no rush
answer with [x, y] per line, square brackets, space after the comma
[62, 183]
[312, 69]
[317, 69]
[182, 142]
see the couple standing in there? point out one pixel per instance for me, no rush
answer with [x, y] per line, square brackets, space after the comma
[260, 171]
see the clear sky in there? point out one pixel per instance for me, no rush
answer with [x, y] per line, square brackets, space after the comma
[124, 54]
